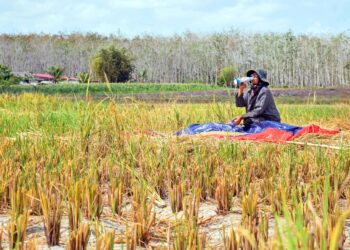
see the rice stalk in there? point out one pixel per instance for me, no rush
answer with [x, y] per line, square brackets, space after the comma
[223, 196]
[31, 244]
[116, 196]
[79, 238]
[105, 241]
[186, 236]
[176, 194]
[17, 226]
[250, 219]
[1, 231]
[74, 204]
[191, 206]
[230, 242]
[143, 217]
[93, 200]
[16, 230]
[51, 205]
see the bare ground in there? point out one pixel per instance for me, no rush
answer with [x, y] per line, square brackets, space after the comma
[284, 95]
[210, 223]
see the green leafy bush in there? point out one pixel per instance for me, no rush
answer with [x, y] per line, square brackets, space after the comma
[6, 76]
[226, 75]
[112, 64]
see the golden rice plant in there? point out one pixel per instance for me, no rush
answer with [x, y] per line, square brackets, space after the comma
[223, 196]
[191, 206]
[303, 228]
[186, 236]
[202, 241]
[130, 238]
[275, 199]
[250, 218]
[51, 205]
[202, 183]
[116, 196]
[212, 187]
[230, 242]
[186, 231]
[74, 204]
[19, 200]
[324, 228]
[181, 238]
[79, 238]
[105, 241]
[143, 217]
[17, 226]
[93, 200]
[4, 187]
[266, 188]
[35, 207]
[16, 230]
[31, 244]
[347, 196]
[127, 182]
[160, 183]
[176, 195]
[1, 231]
[263, 230]
[293, 232]
[337, 238]
[330, 215]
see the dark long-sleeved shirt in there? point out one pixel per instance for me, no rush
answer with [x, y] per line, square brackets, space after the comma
[260, 106]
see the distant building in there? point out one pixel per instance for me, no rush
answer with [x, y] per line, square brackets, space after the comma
[43, 77]
[48, 77]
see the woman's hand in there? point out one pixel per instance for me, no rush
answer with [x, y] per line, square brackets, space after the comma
[238, 120]
[242, 86]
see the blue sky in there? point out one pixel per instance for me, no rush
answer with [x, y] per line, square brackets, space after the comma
[167, 17]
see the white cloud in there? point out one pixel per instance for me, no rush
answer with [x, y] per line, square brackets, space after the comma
[165, 17]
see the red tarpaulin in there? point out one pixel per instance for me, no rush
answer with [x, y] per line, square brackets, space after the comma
[277, 135]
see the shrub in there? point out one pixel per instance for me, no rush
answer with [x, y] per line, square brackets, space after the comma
[6, 76]
[83, 77]
[112, 64]
[226, 75]
[56, 72]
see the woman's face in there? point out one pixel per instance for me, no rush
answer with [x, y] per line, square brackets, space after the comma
[255, 80]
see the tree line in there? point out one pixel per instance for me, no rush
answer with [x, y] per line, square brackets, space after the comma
[291, 60]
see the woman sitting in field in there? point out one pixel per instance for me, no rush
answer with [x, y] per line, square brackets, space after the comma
[258, 100]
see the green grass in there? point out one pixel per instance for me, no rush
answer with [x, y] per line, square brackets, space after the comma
[116, 88]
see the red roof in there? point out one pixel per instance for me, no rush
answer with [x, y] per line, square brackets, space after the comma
[51, 77]
[44, 76]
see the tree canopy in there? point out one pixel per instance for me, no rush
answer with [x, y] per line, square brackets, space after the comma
[112, 64]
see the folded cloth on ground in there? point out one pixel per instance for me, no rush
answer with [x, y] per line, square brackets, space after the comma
[262, 131]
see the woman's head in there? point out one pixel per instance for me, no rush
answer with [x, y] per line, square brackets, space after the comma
[259, 75]
[256, 78]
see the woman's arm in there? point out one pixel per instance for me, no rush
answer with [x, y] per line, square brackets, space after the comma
[241, 101]
[263, 100]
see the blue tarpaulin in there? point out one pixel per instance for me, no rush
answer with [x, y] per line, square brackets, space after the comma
[223, 127]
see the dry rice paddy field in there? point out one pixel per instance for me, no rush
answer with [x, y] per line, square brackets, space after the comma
[79, 174]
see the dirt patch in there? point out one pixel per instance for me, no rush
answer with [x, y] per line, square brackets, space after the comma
[283, 95]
